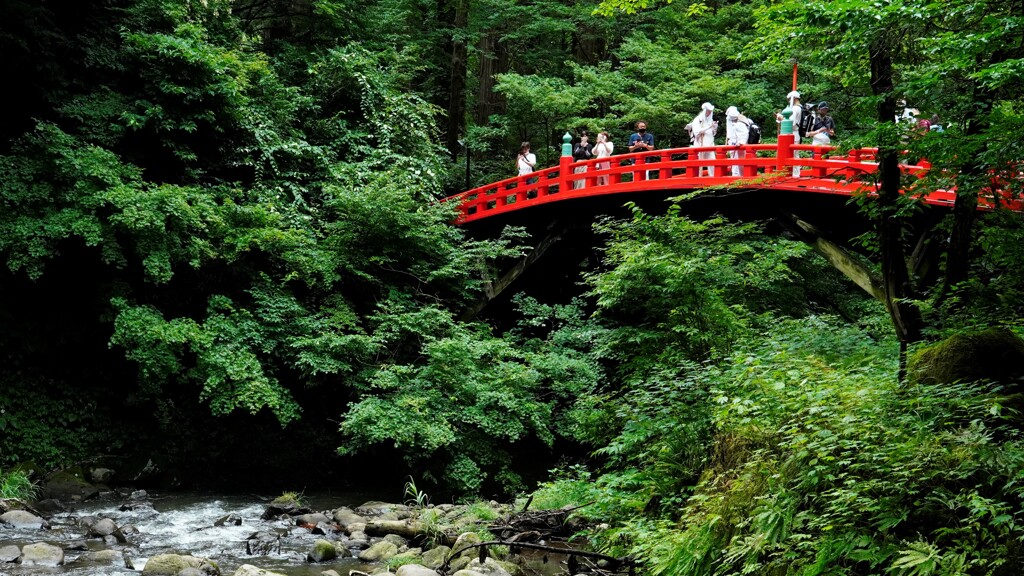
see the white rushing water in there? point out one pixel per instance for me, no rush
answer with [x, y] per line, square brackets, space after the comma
[179, 524]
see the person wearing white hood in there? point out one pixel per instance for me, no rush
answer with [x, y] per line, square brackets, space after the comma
[794, 105]
[704, 129]
[737, 132]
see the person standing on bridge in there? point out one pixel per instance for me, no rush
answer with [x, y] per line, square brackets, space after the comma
[737, 132]
[704, 129]
[796, 117]
[603, 149]
[642, 141]
[824, 127]
[582, 151]
[526, 160]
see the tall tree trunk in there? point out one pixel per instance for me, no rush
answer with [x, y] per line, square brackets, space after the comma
[965, 207]
[493, 61]
[906, 318]
[457, 80]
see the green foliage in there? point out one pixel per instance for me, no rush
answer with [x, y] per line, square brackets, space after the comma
[682, 290]
[16, 484]
[54, 423]
[414, 496]
[822, 462]
[466, 401]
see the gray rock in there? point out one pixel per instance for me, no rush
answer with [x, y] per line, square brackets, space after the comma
[436, 556]
[49, 506]
[414, 570]
[311, 519]
[41, 554]
[342, 549]
[380, 552]
[9, 553]
[101, 475]
[112, 557]
[397, 540]
[229, 520]
[102, 527]
[23, 519]
[488, 568]
[329, 573]
[467, 539]
[345, 517]
[171, 564]
[191, 572]
[250, 570]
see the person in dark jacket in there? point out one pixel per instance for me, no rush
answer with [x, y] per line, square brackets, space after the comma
[583, 150]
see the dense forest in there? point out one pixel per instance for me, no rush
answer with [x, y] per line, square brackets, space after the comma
[222, 244]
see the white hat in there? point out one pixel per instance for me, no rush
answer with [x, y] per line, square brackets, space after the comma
[707, 106]
[793, 94]
[732, 112]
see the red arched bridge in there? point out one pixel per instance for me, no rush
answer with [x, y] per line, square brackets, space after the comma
[823, 170]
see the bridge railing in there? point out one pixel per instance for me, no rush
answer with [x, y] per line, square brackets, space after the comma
[824, 169]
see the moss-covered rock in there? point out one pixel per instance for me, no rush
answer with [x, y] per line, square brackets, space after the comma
[380, 552]
[69, 484]
[435, 557]
[288, 503]
[323, 550]
[996, 354]
[171, 564]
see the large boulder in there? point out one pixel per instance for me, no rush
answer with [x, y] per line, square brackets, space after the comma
[346, 517]
[380, 552]
[23, 519]
[9, 553]
[41, 554]
[467, 539]
[106, 527]
[996, 354]
[68, 485]
[171, 564]
[436, 556]
[285, 504]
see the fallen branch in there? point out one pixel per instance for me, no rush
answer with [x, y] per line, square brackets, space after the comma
[543, 548]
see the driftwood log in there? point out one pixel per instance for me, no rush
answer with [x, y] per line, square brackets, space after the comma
[410, 529]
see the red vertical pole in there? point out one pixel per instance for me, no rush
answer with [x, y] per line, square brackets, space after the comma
[784, 152]
[794, 75]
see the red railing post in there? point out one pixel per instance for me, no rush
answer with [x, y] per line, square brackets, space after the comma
[564, 171]
[784, 150]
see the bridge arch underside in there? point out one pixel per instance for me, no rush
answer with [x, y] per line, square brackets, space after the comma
[566, 246]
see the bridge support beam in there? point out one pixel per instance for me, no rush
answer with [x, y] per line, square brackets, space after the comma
[840, 258]
[494, 288]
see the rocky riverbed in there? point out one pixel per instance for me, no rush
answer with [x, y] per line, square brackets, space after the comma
[125, 533]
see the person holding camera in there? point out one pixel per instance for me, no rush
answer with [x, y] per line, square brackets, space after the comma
[642, 141]
[582, 151]
[603, 149]
[824, 127]
[526, 160]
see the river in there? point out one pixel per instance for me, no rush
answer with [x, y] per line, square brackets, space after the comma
[184, 523]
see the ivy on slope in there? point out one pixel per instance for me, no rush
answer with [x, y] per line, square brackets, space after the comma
[818, 462]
